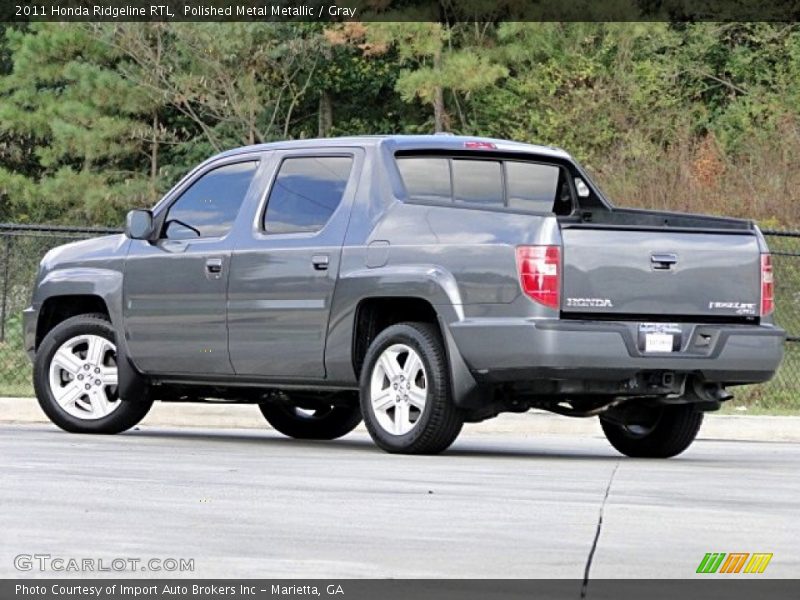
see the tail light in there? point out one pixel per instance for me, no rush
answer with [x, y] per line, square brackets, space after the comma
[539, 270]
[767, 286]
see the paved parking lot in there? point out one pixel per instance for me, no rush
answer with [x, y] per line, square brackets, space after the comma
[252, 503]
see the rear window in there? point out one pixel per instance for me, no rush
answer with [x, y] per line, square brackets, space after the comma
[478, 182]
[533, 186]
[426, 178]
[513, 184]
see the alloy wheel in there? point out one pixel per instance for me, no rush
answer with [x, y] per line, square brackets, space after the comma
[83, 377]
[398, 389]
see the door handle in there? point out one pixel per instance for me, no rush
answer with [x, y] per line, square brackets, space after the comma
[320, 262]
[214, 266]
[663, 261]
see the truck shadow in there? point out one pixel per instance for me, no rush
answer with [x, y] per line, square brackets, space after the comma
[466, 448]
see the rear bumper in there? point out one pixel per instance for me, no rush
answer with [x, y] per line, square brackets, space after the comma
[534, 349]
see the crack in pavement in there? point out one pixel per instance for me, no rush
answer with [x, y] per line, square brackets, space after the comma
[589, 559]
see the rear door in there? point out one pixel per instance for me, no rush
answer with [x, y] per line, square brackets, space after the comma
[660, 273]
[284, 273]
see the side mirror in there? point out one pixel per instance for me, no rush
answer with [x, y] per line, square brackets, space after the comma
[139, 224]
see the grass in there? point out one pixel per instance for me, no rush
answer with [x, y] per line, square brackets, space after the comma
[15, 367]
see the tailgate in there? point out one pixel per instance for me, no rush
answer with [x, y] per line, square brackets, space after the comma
[667, 274]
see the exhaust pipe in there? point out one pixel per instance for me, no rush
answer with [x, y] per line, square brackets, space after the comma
[710, 396]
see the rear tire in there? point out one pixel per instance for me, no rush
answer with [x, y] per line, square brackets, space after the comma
[325, 423]
[405, 391]
[75, 378]
[667, 431]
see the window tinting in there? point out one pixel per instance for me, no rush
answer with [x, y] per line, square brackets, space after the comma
[306, 193]
[532, 186]
[209, 207]
[490, 183]
[426, 178]
[478, 182]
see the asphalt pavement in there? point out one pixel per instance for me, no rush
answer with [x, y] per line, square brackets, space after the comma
[253, 503]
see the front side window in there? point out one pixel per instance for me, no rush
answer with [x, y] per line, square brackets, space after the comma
[306, 193]
[209, 207]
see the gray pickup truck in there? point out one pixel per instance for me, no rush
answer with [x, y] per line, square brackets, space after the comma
[417, 282]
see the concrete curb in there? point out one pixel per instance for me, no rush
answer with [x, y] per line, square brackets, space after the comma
[532, 423]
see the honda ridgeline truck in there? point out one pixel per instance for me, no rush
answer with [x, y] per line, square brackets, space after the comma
[417, 282]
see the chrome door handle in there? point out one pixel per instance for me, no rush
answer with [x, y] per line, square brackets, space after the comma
[214, 266]
[320, 262]
[664, 260]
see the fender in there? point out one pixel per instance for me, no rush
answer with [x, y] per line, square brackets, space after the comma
[107, 285]
[431, 283]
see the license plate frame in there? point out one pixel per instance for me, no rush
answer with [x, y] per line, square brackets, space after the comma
[659, 338]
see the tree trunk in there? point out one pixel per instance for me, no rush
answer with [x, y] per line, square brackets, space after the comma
[154, 158]
[325, 114]
[438, 96]
[251, 136]
[154, 139]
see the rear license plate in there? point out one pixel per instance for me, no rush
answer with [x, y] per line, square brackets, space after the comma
[659, 337]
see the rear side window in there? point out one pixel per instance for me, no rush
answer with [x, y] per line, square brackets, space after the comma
[210, 205]
[513, 184]
[306, 193]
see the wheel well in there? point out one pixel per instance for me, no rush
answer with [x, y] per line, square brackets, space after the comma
[373, 315]
[60, 308]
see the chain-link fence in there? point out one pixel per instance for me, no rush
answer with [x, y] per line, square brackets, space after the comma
[781, 394]
[21, 249]
[23, 246]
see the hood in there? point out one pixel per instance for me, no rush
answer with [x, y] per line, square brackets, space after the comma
[108, 246]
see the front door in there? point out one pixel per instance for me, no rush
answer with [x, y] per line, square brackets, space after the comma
[283, 274]
[175, 287]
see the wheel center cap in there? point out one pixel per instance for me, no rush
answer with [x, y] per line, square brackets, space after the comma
[89, 373]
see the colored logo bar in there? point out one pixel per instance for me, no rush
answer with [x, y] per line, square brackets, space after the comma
[735, 562]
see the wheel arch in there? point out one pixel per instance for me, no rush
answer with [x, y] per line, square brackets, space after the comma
[66, 293]
[75, 291]
[375, 313]
[57, 309]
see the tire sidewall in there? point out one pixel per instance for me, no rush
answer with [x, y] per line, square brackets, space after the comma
[61, 333]
[397, 334]
[340, 421]
[675, 430]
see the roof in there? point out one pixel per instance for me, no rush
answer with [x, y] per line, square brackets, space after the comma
[401, 142]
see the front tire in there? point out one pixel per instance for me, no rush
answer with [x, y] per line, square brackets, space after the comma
[405, 391]
[661, 432]
[319, 421]
[75, 378]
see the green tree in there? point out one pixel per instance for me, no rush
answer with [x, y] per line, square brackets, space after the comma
[66, 95]
[435, 57]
